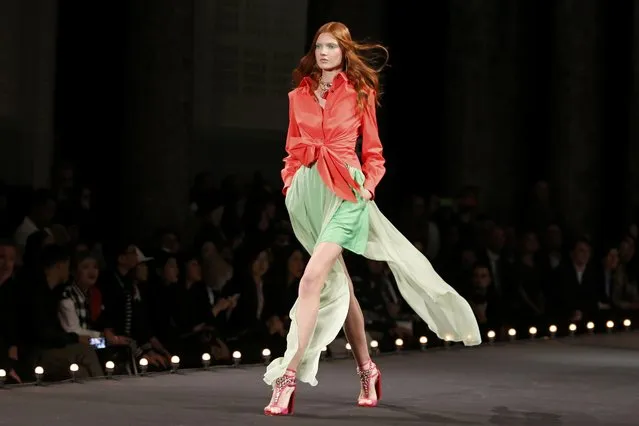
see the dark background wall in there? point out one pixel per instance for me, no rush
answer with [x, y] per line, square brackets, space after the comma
[496, 94]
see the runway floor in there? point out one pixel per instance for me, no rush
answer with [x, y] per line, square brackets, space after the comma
[589, 380]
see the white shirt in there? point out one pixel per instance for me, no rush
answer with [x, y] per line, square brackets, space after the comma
[70, 322]
[26, 228]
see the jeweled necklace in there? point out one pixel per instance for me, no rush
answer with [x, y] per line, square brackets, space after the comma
[323, 87]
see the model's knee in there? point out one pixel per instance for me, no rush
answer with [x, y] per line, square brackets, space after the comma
[311, 283]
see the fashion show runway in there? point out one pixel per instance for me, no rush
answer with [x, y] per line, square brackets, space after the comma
[588, 380]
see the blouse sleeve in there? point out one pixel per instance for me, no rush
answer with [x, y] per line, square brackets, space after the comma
[291, 165]
[372, 152]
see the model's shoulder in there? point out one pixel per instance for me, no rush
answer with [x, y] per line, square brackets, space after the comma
[293, 93]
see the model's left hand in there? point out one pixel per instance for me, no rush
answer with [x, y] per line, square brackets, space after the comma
[366, 194]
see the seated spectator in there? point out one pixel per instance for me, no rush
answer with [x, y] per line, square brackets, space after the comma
[608, 273]
[42, 211]
[625, 290]
[196, 318]
[8, 319]
[75, 307]
[576, 292]
[55, 348]
[254, 322]
[528, 297]
[125, 311]
[484, 298]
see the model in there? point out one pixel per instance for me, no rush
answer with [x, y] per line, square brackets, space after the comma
[329, 200]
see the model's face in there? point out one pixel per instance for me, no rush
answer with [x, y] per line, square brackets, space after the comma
[328, 54]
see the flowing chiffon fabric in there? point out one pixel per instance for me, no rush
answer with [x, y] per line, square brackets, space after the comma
[318, 215]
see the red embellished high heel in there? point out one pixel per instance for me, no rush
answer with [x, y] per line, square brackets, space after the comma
[283, 392]
[370, 379]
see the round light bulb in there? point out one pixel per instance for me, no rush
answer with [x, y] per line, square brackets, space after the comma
[175, 359]
[74, 368]
[627, 323]
[348, 347]
[374, 344]
[144, 362]
[3, 373]
[266, 352]
[610, 324]
[532, 330]
[237, 355]
[552, 328]
[399, 342]
[512, 332]
[423, 340]
[206, 357]
[491, 334]
[39, 371]
[590, 325]
[572, 327]
[110, 365]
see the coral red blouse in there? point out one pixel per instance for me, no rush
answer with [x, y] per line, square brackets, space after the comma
[327, 136]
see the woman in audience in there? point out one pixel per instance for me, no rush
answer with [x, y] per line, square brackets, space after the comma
[254, 320]
[196, 317]
[76, 314]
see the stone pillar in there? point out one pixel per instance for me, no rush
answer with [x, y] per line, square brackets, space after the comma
[155, 166]
[480, 131]
[576, 129]
[27, 70]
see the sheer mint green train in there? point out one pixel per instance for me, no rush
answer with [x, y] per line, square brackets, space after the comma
[317, 215]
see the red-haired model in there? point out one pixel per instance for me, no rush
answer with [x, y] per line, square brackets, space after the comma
[329, 198]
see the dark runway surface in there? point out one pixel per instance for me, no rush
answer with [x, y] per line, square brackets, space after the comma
[589, 380]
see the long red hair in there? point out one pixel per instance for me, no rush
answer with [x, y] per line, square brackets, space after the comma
[357, 67]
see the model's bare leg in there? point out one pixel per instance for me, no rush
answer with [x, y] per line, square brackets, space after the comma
[308, 301]
[370, 377]
[354, 326]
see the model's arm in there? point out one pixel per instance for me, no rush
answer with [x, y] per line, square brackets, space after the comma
[290, 163]
[372, 155]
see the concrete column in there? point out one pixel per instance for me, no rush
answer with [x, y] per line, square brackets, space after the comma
[482, 121]
[632, 184]
[576, 128]
[27, 71]
[155, 166]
